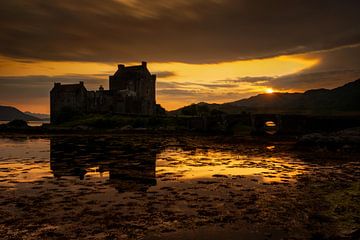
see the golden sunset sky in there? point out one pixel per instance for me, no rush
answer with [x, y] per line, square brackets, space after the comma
[202, 50]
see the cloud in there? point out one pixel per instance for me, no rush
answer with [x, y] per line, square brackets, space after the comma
[194, 96]
[27, 88]
[249, 79]
[346, 58]
[178, 93]
[337, 67]
[215, 86]
[165, 74]
[195, 31]
[194, 85]
[302, 81]
[306, 81]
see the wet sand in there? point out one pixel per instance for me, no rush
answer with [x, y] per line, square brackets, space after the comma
[158, 187]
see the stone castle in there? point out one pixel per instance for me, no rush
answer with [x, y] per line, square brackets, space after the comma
[131, 91]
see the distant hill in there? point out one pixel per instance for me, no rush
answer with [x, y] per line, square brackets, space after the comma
[344, 99]
[11, 113]
[41, 116]
[203, 108]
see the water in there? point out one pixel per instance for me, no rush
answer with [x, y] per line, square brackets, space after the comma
[30, 160]
[140, 186]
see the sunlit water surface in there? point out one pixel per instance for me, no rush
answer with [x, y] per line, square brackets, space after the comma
[31, 160]
[133, 186]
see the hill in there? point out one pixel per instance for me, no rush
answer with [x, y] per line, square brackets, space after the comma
[10, 113]
[341, 100]
[41, 116]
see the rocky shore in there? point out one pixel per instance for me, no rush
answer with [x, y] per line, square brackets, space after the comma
[345, 140]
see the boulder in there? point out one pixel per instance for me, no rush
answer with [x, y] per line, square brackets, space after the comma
[346, 139]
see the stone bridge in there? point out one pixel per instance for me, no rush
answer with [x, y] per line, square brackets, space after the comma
[239, 124]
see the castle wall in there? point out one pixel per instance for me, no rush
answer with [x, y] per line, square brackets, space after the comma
[63, 104]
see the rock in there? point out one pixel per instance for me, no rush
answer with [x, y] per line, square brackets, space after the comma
[140, 129]
[126, 127]
[345, 139]
[82, 128]
[16, 124]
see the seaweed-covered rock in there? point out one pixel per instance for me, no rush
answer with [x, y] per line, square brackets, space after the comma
[17, 124]
[345, 139]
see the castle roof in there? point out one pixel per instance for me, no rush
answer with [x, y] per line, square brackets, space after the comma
[69, 87]
[131, 70]
[135, 68]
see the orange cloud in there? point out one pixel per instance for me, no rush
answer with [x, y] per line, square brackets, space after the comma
[194, 82]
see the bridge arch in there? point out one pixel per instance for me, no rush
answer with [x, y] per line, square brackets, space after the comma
[266, 123]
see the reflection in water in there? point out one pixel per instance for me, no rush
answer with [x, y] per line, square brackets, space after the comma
[23, 160]
[129, 167]
[210, 163]
[270, 127]
[165, 185]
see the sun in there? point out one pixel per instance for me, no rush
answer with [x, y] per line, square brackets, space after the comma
[269, 90]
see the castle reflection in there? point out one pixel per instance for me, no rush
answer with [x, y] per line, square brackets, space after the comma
[130, 167]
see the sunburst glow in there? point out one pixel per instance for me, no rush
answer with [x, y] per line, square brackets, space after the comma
[269, 90]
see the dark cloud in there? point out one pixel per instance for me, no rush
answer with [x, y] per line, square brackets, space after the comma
[191, 92]
[165, 74]
[249, 80]
[336, 68]
[180, 30]
[21, 89]
[178, 93]
[215, 86]
[38, 81]
[165, 85]
[306, 81]
[194, 84]
[194, 96]
[303, 81]
[338, 59]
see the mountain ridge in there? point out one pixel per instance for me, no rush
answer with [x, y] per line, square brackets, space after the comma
[8, 113]
[41, 116]
[344, 99]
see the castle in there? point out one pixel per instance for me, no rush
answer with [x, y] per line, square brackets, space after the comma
[131, 91]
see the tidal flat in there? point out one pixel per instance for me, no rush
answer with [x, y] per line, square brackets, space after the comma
[174, 187]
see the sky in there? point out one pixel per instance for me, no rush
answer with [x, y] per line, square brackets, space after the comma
[201, 50]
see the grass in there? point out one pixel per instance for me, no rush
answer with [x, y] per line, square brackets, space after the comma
[118, 121]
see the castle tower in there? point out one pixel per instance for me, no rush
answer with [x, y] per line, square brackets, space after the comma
[139, 82]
